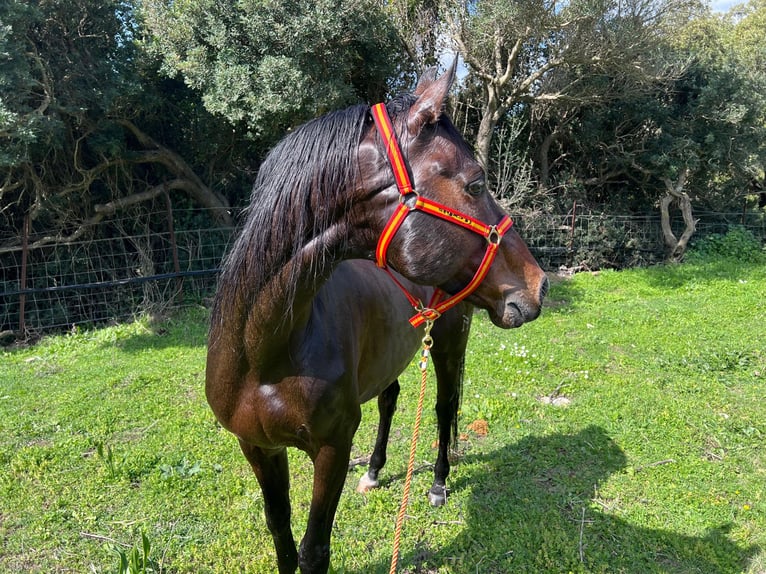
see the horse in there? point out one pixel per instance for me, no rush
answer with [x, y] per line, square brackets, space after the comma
[313, 312]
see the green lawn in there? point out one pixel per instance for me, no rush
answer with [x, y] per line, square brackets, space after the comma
[626, 434]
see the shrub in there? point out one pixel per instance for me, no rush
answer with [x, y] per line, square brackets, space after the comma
[737, 243]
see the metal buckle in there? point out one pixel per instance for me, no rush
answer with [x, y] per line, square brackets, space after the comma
[429, 314]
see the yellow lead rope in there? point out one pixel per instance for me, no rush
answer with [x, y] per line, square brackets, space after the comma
[423, 365]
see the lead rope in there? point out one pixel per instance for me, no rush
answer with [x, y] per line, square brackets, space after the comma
[423, 365]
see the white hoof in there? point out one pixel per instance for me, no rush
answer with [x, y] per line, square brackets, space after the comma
[437, 498]
[366, 483]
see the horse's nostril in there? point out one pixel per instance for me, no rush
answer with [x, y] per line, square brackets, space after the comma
[544, 285]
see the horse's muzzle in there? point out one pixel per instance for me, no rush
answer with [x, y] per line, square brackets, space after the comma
[514, 309]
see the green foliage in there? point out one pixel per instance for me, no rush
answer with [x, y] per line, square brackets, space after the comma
[89, 128]
[106, 454]
[66, 68]
[606, 100]
[182, 470]
[273, 65]
[653, 93]
[737, 243]
[627, 150]
[62, 60]
[136, 560]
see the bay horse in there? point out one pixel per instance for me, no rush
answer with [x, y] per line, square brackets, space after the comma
[305, 327]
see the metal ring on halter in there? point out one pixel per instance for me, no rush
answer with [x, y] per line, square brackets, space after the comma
[494, 237]
[410, 200]
[429, 314]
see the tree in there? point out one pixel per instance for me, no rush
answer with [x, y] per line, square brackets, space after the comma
[419, 27]
[692, 138]
[542, 54]
[643, 103]
[269, 66]
[747, 38]
[73, 95]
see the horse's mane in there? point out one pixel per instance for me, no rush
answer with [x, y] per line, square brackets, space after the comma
[315, 165]
[302, 183]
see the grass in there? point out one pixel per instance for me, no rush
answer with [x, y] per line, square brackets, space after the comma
[626, 432]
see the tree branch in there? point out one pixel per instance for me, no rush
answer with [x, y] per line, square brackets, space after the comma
[101, 212]
[194, 186]
[510, 66]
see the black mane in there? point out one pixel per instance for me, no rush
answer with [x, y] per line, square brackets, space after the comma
[307, 175]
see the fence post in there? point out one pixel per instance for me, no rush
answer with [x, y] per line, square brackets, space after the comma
[174, 246]
[23, 278]
[571, 233]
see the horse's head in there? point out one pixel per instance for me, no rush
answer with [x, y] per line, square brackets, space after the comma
[441, 250]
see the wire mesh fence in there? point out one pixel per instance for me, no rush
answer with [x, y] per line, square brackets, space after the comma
[592, 240]
[602, 240]
[148, 266]
[142, 267]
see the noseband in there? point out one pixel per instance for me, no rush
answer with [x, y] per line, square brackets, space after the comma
[409, 201]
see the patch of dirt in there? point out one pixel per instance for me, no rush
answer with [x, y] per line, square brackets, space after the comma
[479, 427]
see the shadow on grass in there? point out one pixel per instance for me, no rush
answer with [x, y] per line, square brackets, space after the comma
[532, 510]
[184, 328]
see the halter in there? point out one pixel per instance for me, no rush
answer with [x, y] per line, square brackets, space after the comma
[409, 201]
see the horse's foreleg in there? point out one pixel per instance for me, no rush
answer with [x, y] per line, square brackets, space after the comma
[271, 470]
[386, 408]
[330, 469]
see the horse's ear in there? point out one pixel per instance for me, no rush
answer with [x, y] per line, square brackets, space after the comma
[426, 79]
[432, 95]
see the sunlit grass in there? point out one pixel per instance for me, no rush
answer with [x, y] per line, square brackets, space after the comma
[626, 432]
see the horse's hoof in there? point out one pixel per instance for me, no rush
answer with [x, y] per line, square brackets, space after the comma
[437, 496]
[366, 483]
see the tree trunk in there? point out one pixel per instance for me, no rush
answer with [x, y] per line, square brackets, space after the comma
[542, 156]
[486, 128]
[676, 194]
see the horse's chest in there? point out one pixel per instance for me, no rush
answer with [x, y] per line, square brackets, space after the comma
[294, 411]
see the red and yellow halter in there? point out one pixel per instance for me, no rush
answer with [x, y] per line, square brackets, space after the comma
[410, 200]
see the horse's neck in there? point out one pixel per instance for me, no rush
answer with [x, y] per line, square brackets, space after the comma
[258, 309]
[281, 306]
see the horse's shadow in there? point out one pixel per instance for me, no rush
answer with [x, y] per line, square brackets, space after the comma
[564, 525]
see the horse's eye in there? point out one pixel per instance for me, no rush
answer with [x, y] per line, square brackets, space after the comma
[476, 188]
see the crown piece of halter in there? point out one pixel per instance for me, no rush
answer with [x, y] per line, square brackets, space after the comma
[409, 201]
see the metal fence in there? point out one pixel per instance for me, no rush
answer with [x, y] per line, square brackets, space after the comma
[53, 287]
[139, 268]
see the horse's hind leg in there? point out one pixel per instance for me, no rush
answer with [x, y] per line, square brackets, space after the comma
[447, 404]
[271, 470]
[386, 408]
[448, 354]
